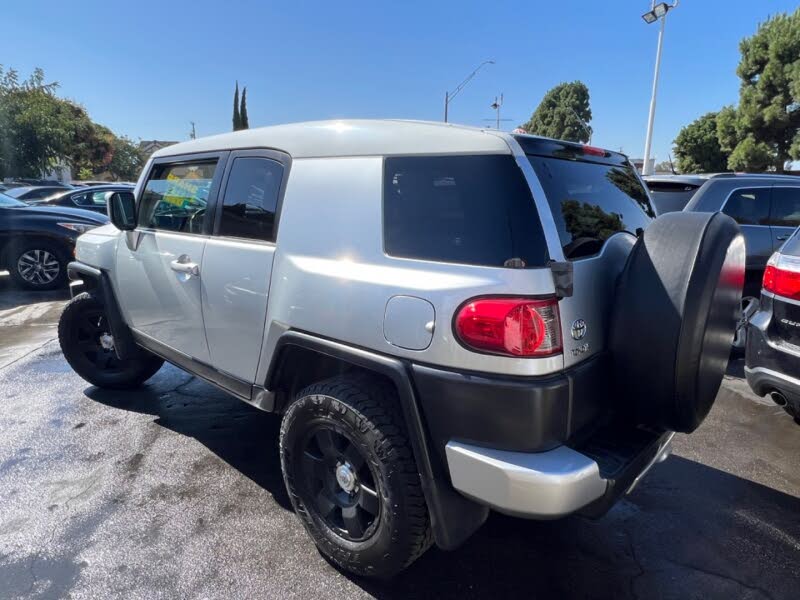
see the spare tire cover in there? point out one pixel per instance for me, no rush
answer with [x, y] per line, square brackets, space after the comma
[674, 317]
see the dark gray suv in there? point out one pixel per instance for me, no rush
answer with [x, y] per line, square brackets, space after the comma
[767, 208]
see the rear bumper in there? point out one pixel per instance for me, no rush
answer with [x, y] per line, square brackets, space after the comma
[518, 414]
[772, 365]
[547, 485]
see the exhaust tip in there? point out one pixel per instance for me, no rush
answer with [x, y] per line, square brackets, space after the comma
[778, 398]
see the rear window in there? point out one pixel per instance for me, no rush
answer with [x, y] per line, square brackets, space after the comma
[669, 196]
[592, 201]
[475, 210]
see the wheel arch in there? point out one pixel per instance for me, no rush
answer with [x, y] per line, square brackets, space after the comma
[84, 278]
[453, 517]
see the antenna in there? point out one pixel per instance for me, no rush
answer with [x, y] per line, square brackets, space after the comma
[193, 132]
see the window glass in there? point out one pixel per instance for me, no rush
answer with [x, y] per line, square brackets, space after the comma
[748, 207]
[591, 202]
[251, 199]
[82, 199]
[466, 209]
[785, 210]
[100, 198]
[176, 196]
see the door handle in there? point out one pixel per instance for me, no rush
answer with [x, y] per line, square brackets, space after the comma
[782, 238]
[184, 264]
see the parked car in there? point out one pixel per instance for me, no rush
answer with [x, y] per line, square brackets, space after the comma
[450, 320]
[89, 198]
[767, 208]
[772, 360]
[670, 193]
[37, 242]
[28, 193]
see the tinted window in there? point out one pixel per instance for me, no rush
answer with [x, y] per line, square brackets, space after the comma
[83, 199]
[100, 198]
[748, 207]
[669, 196]
[251, 198]
[176, 196]
[592, 201]
[466, 209]
[785, 207]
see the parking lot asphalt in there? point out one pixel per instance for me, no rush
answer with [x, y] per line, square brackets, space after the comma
[175, 490]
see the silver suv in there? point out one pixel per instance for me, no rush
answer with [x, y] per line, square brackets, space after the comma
[449, 320]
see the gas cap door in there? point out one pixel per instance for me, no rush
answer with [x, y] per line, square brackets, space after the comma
[408, 322]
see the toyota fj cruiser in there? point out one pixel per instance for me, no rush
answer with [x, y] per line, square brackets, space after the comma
[449, 320]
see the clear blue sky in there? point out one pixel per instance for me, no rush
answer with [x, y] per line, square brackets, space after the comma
[146, 68]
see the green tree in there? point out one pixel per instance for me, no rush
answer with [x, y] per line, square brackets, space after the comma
[38, 130]
[697, 148]
[126, 161]
[245, 123]
[33, 124]
[664, 166]
[563, 114]
[727, 133]
[750, 155]
[89, 145]
[237, 118]
[767, 120]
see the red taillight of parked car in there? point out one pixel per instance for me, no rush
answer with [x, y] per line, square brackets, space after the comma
[782, 276]
[510, 326]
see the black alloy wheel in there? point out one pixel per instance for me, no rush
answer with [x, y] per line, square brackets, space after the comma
[341, 482]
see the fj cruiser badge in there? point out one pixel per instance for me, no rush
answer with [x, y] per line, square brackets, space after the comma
[578, 329]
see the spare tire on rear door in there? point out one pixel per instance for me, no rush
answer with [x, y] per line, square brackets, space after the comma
[674, 318]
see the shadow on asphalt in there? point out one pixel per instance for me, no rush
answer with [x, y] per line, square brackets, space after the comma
[687, 527]
[242, 436]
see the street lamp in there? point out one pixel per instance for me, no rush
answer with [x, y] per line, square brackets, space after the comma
[448, 96]
[656, 12]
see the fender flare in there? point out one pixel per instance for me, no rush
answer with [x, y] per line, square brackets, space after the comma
[84, 278]
[454, 518]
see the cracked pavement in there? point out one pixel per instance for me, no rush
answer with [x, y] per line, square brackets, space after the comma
[175, 490]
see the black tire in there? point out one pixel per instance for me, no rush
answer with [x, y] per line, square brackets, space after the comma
[355, 415]
[674, 318]
[79, 329]
[38, 264]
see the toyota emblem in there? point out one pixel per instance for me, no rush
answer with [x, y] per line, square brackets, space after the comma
[578, 329]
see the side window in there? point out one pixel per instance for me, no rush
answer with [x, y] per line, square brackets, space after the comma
[176, 196]
[475, 210]
[251, 199]
[81, 199]
[749, 206]
[100, 198]
[785, 210]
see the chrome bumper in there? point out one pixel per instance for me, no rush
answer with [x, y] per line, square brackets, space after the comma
[542, 485]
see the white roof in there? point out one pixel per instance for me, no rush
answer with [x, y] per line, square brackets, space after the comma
[352, 138]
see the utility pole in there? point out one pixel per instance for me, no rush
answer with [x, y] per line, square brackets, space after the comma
[193, 132]
[496, 106]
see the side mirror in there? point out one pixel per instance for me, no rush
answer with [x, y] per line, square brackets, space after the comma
[122, 210]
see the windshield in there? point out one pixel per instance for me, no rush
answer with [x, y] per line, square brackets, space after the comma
[9, 202]
[592, 201]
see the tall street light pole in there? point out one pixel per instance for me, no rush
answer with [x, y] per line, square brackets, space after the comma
[448, 96]
[657, 12]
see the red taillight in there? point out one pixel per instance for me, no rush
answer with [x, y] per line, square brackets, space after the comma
[591, 150]
[511, 326]
[782, 276]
